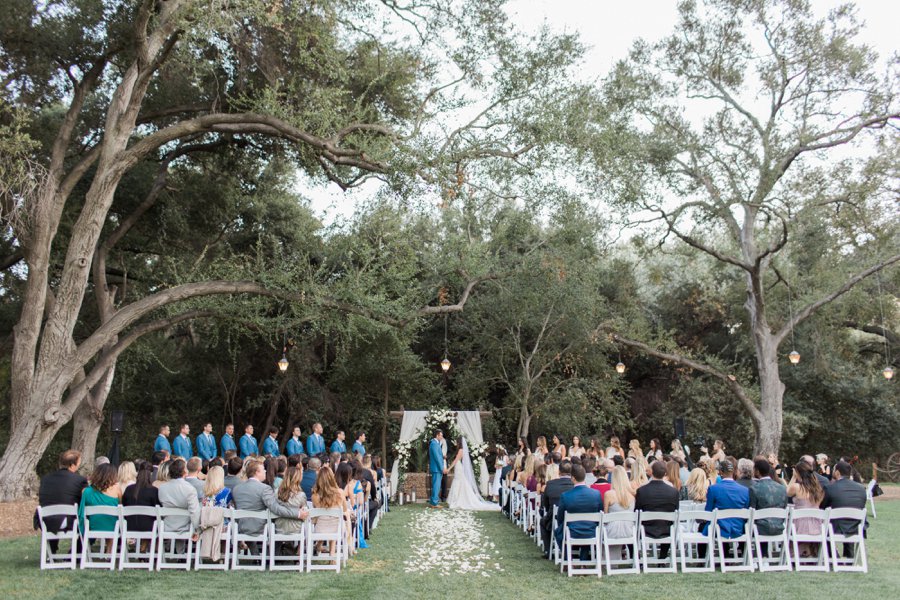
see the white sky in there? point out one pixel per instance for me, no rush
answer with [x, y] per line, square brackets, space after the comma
[608, 28]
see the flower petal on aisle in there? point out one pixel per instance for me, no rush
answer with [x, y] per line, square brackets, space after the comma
[450, 541]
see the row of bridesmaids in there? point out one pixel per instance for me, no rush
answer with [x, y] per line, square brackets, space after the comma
[595, 449]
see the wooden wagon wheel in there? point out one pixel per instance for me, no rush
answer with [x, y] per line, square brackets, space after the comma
[891, 470]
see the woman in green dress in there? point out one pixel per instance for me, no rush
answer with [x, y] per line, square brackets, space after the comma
[103, 491]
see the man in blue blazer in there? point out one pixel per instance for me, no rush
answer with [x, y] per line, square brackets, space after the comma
[315, 443]
[182, 446]
[248, 443]
[206, 443]
[162, 440]
[270, 444]
[294, 445]
[227, 441]
[727, 494]
[436, 467]
[338, 445]
[358, 447]
[580, 499]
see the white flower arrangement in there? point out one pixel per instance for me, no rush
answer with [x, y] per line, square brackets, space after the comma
[439, 418]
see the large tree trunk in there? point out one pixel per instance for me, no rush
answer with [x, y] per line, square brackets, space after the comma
[524, 420]
[27, 443]
[88, 419]
[771, 388]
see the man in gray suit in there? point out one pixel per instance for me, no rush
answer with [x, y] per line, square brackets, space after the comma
[253, 494]
[178, 493]
[194, 466]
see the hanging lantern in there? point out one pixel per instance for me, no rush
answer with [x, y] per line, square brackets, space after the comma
[446, 364]
[283, 363]
[888, 373]
[794, 357]
[620, 367]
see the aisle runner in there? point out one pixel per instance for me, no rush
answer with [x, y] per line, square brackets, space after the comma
[450, 541]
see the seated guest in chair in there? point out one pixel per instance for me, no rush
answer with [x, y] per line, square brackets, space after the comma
[178, 493]
[141, 493]
[235, 466]
[552, 493]
[294, 445]
[309, 476]
[767, 493]
[579, 499]
[727, 494]
[657, 496]
[338, 445]
[206, 443]
[253, 494]
[182, 446]
[63, 486]
[843, 492]
[103, 491]
[270, 444]
[227, 442]
[194, 466]
[248, 445]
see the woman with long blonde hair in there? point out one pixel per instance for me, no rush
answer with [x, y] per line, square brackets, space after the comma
[639, 473]
[127, 474]
[527, 471]
[619, 498]
[697, 484]
[634, 449]
[677, 450]
[541, 449]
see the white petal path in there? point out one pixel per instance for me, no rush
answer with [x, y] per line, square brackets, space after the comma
[450, 541]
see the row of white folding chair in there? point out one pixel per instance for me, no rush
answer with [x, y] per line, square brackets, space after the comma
[639, 551]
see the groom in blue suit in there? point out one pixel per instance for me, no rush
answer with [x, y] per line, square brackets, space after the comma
[436, 467]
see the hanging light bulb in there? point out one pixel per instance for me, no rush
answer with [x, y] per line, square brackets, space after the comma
[888, 373]
[620, 367]
[794, 357]
[283, 363]
[446, 364]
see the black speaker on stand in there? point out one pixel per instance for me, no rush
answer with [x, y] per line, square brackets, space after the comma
[680, 433]
[117, 426]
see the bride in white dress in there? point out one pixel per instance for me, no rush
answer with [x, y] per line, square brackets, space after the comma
[464, 494]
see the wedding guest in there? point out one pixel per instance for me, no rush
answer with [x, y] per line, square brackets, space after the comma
[178, 493]
[809, 460]
[281, 464]
[822, 466]
[227, 442]
[843, 492]
[576, 449]
[162, 474]
[806, 492]
[127, 474]
[527, 472]
[254, 494]
[579, 499]
[745, 472]
[718, 451]
[499, 463]
[141, 493]
[588, 462]
[327, 494]
[550, 498]
[765, 493]
[63, 486]
[727, 494]
[615, 448]
[235, 467]
[540, 477]
[291, 494]
[697, 485]
[215, 493]
[553, 468]
[294, 445]
[559, 447]
[619, 498]
[601, 475]
[339, 445]
[156, 459]
[655, 452]
[193, 467]
[248, 445]
[673, 476]
[103, 491]
[310, 474]
[639, 473]
[657, 496]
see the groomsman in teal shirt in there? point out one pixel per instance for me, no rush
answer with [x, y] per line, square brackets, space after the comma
[182, 445]
[248, 443]
[162, 440]
[206, 443]
[294, 445]
[227, 441]
[338, 445]
[270, 444]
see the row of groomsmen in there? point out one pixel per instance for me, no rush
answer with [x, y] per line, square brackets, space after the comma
[207, 449]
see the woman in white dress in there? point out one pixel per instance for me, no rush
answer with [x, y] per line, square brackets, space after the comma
[464, 494]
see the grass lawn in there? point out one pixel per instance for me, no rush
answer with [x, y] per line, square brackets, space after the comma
[379, 572]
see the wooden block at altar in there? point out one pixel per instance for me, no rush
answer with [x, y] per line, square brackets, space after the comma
[420, 483]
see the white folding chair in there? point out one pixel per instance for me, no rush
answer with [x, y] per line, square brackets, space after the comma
[777, 555]
[555, 551]
[870, 499]
[651, 547]
[295, 561]
[858, 562]
[618, 544]
[243, 543]
[224, 542]
[105, 558]
[742, 542]
[533, 501]
[331, 559]
[577, 566]
[818, 539]
[691, 538]
[135, 559]
[180, 543]
[67, 531]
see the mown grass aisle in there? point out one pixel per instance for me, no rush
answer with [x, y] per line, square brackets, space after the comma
[454, 559]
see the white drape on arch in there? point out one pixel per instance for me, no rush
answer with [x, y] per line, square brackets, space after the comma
[413, 423]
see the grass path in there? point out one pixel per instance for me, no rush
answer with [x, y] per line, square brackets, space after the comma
[381, 572]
